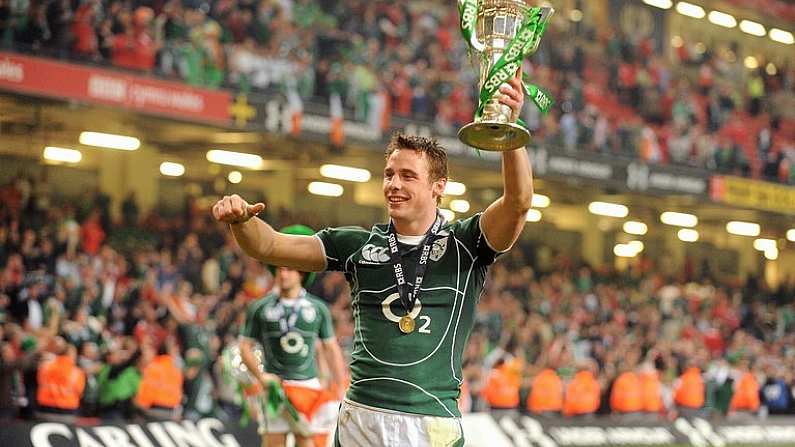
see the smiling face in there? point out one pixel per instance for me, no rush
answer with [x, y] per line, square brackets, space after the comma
[409, 190]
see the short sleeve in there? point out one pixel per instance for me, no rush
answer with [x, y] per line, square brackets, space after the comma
[252, 326]
[340, 243]
[326, 329]
[469, 233]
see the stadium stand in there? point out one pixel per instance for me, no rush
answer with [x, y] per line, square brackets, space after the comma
[700, 108]
[117, 300]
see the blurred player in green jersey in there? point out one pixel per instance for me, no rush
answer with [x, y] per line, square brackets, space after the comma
[290, 324]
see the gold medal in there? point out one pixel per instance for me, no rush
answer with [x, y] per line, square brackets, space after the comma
[406, 324]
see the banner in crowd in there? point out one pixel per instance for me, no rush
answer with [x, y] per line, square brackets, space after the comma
[273, 113]
[208, 432]
[318, 122]
[742, 192]
[511, 429]
[49, 78]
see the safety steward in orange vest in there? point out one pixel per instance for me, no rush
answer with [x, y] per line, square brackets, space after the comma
[626, 396]
[583, 394]
[60, 383]
[501, 390]
[160, 391]
[651, 390]
[546, 393]
[746, 394]
[689, 389]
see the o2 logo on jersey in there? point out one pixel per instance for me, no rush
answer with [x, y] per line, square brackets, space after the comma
[415, 313]
[293, 343]
[374, 253]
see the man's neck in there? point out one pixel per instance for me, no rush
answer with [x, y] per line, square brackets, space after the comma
[291, 293]
[415, 227]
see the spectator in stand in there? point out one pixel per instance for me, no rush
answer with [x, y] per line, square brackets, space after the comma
[776, 395]
[134, 46]
[626, 396]
[745, 400]
[59, 18]
[118, 380]
[91, 234]
[129, 210]
[60, 384]
[546, 394]
[86, 44]
[501, 388]
[16, 361]
[651, 390]
[756, 92]
[583, 392]
[159, 395]
[35, 33]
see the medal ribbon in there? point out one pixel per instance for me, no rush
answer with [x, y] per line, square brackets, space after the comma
[287, 322]
[408, 299]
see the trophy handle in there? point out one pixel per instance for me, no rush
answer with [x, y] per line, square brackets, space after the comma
[474, 42]
[546, 14]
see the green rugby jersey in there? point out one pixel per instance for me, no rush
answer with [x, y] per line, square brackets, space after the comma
[418, 372]
[287, 331]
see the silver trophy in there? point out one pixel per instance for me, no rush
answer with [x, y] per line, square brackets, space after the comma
[497, 24]
[237, 369]
[233, 362]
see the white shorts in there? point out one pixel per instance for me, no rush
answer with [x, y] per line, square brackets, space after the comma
[322, 422]
[364, 426]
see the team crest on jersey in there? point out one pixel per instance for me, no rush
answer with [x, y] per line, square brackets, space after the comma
[308, 313]
[273, 313]
[439, 248]
[374, 253]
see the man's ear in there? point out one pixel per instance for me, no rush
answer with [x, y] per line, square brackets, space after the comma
[438, 187]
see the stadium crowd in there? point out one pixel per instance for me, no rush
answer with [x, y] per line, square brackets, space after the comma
[129, 320]
[697, 106]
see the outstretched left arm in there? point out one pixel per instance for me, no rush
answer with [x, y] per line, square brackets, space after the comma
[503, 220]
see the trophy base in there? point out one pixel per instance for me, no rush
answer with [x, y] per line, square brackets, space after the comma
[494, 136]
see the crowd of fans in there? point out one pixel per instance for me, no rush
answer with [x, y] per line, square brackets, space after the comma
[556, 335]
[130, 320]
[616, 93]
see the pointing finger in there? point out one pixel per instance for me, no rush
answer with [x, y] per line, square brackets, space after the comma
[253, 210]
